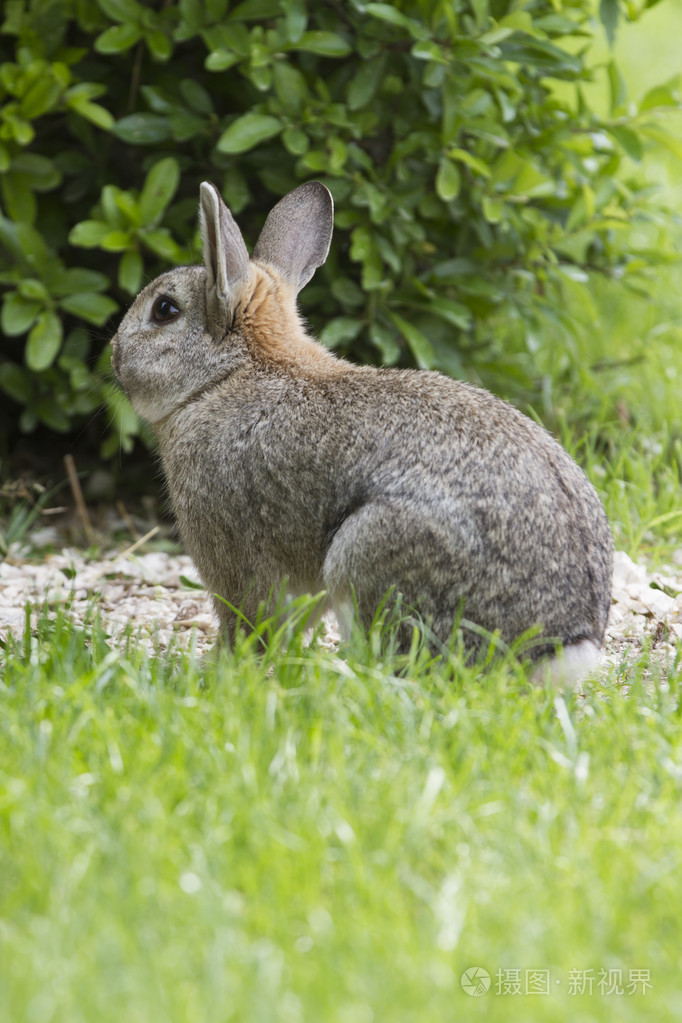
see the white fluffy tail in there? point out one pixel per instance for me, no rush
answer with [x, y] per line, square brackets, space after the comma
[571, 666]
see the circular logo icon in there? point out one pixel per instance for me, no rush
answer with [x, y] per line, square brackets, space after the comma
[475, 981]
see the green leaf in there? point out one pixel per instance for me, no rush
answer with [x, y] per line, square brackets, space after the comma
[31, 288]
[326, 44]
[42, 96]
[385, 340]
[487, 129]
[130, 270]
[160, 186]
[290, 85]
[338, 155]
[77, 278]
[629, 141]
[116, 241]
[470, 160]
[41, 171]
[186, 125]
[667, 95]
[365, 83]
[121, 10]
[419, 344]
[315, 162]
[158, 44]
[18, 198]
[448, 180]
[119, 207]
[495, 35]
[21, 129]
[296, 141]
[230, 36]
[18, 314]
[618, 89]
[452, 312]
[161, 242]
[609, 11]
[520, 21]
[27, 244]
[540, 54]
[295, 19]
[89, 306]
[15, 382]
[77, 345]
[340, 330]
[426, 50]
[530, 181]
[118, 38]
[221, 60]
[362, 244]
[364, 249]
[259, 74]
[89, 233]
[493, 209]
[143, 129]
[247, 132]
[196, 96]
[235, 189]
[159, 99]
[44, 342]
[666, 139]
[93, 112]
[347, 292]
[85, 90]
[389, 13]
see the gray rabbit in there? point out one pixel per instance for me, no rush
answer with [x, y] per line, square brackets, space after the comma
[287, 464]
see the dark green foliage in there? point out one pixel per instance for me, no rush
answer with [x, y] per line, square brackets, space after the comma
[476, 191]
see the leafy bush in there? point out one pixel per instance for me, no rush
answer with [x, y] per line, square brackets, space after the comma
[477, 191]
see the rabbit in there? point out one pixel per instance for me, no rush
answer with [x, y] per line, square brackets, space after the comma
[287, 465]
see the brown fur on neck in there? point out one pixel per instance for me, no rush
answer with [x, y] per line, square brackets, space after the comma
[271, 326]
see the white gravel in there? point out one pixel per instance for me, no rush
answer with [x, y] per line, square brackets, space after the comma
[145, 591]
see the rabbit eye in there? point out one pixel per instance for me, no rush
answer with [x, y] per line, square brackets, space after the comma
[164, 310]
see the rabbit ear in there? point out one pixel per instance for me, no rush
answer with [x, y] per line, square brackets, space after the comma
[296, 236]
[225, 256]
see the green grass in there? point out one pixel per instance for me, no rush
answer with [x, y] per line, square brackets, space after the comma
[613, 401]
[293, 836]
